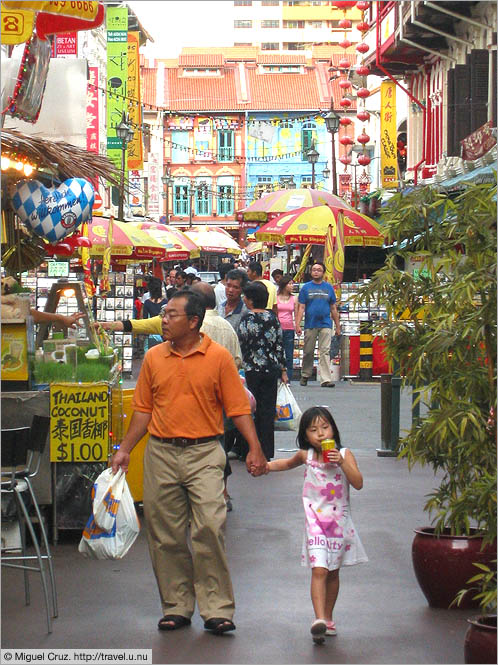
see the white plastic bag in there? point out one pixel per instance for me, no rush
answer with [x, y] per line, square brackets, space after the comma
[113, 525]
[287, 413]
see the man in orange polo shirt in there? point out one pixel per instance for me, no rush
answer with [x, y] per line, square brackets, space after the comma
[182, 388]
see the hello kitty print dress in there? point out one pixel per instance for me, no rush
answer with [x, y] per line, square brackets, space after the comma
[330, 537]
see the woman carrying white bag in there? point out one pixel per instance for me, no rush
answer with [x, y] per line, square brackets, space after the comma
[113, 525]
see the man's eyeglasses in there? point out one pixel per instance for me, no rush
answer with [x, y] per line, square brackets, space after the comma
[167, 316]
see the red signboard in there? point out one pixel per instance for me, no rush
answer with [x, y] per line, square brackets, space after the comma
[478, 143]
[92, 110]
[65, 44]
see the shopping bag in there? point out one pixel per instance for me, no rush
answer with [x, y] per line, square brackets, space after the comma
[335, 345]
[287, 413]
[113, 525]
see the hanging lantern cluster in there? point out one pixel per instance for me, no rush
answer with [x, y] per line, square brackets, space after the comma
[345, 66]
[363, 93]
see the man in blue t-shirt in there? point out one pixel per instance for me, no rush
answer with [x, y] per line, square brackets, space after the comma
[317, 301]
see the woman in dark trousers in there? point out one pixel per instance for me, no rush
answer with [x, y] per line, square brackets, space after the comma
[260, 337]
[152, 307]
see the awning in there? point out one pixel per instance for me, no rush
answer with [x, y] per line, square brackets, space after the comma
[480, 176]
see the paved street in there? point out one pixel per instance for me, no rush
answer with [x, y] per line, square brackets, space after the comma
[381, 614]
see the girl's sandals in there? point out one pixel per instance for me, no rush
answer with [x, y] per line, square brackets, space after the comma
[219, 626]
[172, 622]
[318, 630]
[331, 629]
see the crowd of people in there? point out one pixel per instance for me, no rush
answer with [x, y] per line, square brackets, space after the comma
[190, 398]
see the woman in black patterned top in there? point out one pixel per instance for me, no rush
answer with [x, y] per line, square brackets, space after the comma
[260, 337]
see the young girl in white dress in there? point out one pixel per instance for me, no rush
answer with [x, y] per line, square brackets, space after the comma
[330, 538]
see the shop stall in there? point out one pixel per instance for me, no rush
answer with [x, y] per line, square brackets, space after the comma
[71, 375]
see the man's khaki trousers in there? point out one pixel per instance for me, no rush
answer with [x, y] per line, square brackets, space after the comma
[183, 485]
[324, 339]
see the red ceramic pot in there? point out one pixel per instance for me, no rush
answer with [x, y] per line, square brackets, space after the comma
[480, 640]
[443, 565]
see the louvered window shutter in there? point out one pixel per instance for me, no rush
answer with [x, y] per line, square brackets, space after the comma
[479, 68]
[450, 148]
[462, 101]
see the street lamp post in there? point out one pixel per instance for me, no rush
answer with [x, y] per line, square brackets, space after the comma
[191, 192]
[167, 180]
[332, 121]
[312, 156]
[125, 133]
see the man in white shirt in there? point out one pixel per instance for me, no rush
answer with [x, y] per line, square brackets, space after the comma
[219, 289]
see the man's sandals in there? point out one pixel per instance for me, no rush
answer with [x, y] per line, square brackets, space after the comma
[219, 626]
[173, 621]
[216, 625]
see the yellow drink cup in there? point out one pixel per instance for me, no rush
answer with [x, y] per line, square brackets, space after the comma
[327, 446]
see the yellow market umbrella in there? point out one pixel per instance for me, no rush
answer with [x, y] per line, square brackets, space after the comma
[213, 239]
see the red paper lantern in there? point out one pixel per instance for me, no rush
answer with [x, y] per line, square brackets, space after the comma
[363, 115]
[83, 242]
[346, 140]
[363, 138]
[345, 102]
[344, 4]
[363, 70]
[362, 26]
[363, 93]
[344, 64]
[345, 43]
[364, 160]
[345, 121]
[344, 84]
[345, 23]
[363, 5]
[345, 160]
[362, 47]
[62, 249]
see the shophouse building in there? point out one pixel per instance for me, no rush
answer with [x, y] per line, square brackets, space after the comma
[442, 57]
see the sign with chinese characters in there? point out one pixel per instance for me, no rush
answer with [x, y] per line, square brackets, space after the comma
[58, 269]
[117, 76]
[92, 110]
[135, 154]
[478, 143]
[79, 422]
[388, 142]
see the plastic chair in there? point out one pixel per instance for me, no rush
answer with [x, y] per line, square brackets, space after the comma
[23, 447]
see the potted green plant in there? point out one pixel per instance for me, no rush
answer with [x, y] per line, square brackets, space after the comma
[438, 285]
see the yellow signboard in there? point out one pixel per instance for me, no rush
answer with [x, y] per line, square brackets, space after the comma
[134, 155]
[388, 139]
[79, 422]
[17, 26]
[14, 352]
[84, 9]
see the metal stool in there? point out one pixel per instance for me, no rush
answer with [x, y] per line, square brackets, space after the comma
[23, 447]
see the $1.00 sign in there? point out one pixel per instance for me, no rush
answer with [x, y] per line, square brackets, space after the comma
[79, 422]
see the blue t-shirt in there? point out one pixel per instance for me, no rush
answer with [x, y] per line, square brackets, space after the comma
[317, 298]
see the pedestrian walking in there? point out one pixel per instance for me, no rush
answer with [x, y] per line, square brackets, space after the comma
[183, 386]
[287, 316]
[233, 308]
[151, 307]
[330, 538]
[255, 274]
[318, 302]
[260, 337]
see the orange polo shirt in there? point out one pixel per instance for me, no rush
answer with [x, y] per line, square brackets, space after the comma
[186, 394]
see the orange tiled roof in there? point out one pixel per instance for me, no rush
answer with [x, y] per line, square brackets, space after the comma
[280, 59]
[265, 91]
[201, 60]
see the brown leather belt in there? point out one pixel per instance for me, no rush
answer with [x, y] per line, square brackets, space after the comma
[183, 443]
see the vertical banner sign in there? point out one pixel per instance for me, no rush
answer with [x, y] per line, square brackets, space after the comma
[117, 77]
[388, 141]
[155, 166]
[92, 111]
[135, 155]
[79, 422]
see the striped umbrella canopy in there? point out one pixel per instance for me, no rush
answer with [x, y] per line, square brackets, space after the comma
[127, 242]
[286, 200]
[213, 239]
[309, 226]
[177, 246]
